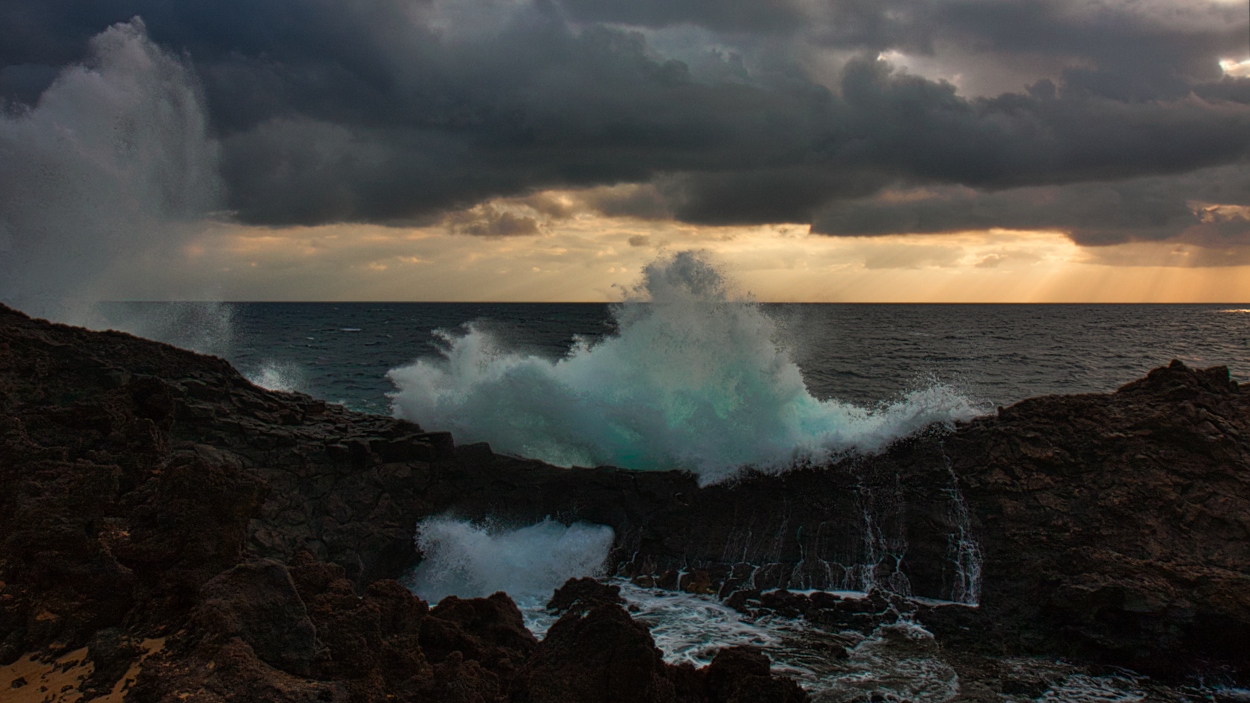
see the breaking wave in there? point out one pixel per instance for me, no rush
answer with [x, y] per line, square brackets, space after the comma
[473, 561]
[278, 376]
[695, 378]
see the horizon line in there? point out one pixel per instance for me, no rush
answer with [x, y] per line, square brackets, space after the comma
[619, 302]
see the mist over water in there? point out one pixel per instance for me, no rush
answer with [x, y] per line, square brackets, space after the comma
[696, 377]
[112, 168]
[206, 327]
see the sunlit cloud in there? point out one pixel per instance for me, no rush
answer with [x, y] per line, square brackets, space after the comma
[576, 254]
[1236, 69]
[1208, 213]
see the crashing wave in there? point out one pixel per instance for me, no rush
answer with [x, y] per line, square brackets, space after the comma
[695, 378]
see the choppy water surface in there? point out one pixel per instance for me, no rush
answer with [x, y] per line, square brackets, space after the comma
[899, 662]
[684, 373]
[861, 353]
[690, 378]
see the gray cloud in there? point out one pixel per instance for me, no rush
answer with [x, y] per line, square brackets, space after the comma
[643, 202]
[393, 111]
[1093, 213]
[748, 16]
[490, 222]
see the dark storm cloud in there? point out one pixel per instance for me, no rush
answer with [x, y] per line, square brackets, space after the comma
[727, 15]
[1095, 213]
[392, 111]
[1150, 37]
[640, 202]
[1230, 90]
[767, 195]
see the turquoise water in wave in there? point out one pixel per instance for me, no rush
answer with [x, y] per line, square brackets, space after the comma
[692, 377]
[764, 385]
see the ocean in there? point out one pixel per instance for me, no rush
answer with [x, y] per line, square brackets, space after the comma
[862, 353]
[702, 382]
[689, 379]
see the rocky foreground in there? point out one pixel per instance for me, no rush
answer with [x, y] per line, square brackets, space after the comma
[171, 532]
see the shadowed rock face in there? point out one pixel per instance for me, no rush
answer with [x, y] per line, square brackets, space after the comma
[142, 487]
[257, 602]
[1118, 524]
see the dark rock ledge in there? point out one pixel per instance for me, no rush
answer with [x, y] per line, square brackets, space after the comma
[170, 532]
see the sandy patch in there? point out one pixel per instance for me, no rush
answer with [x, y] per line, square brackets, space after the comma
[30, 680]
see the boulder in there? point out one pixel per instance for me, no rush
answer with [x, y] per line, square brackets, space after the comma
[488, 630]
[600, 656]
[744, 675]
[257, 602]
[582, 594]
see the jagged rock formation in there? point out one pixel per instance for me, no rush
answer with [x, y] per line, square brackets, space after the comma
[172, 532]
[155, 507]
[1118, 526]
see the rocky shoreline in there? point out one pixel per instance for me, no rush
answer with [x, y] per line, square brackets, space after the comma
[172, 532]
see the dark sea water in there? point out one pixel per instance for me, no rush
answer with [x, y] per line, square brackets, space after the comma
[692, 379]
[857, 353]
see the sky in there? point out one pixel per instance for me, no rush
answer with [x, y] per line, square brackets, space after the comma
[832, 150]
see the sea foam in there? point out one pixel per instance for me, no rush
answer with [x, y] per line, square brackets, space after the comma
[473, 561]
[695, 378]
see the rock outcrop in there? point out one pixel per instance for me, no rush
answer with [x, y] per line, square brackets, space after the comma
[1117, 526]
[194, 534]
[604, 656]
[172, 532]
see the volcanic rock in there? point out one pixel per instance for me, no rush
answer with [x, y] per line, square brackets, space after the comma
[600, 657]
[490, 630]
[151, 500]
[603, 656]
[257, 602]
[176, 533]
[1115, 526]
[580, 595]
[742, 674]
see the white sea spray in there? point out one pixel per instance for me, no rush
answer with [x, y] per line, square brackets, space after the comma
[473, 561]
[278, 376]
[696, 377]
[112, 172]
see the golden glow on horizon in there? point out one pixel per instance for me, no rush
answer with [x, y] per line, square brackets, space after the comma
[579, 255]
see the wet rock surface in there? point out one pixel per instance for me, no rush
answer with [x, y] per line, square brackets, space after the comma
[580, 595]
[156, 507]
[602, 655]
